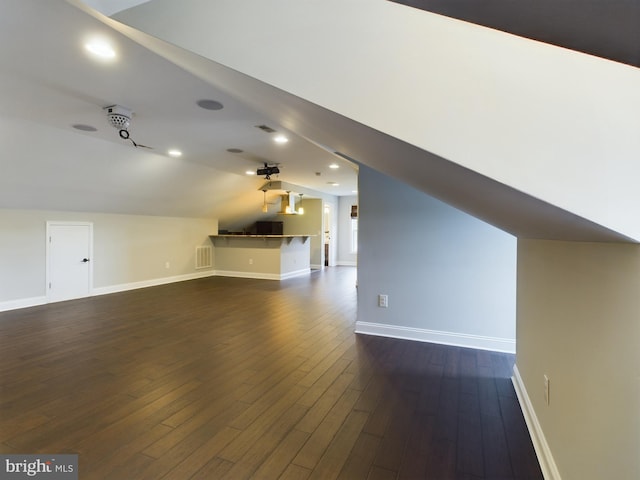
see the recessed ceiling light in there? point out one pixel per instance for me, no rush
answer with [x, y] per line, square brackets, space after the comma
[174, 153]
[210, 104]
[280, 139]
[333, 184]
[250, 172]
[84, 128]
[100, 49]
[234, 150]
[334, 166]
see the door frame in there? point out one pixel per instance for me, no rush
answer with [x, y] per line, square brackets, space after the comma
[329, 227]
[52, 223]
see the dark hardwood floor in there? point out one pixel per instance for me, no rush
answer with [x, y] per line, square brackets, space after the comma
[235, 378]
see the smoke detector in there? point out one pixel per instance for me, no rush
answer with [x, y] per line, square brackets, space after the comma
[119, 117]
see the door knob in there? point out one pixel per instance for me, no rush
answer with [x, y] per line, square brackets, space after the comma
[85, 260]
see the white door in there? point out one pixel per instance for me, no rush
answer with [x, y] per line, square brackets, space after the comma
[69, 249]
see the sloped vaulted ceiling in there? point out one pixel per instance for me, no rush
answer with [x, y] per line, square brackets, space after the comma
[534, 139]
[48, 83]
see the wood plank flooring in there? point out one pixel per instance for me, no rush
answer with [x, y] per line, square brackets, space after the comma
[224, 378]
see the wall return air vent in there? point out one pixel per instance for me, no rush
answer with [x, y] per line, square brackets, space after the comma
[204, 257]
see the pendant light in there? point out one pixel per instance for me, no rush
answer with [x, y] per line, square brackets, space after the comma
[265, 208]
[300, 209]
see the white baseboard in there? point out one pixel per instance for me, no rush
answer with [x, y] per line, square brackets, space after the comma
[263, 276]
[154, 282]
[297, 273]
[123, 287]
[505, 345]
[547, 464]
[22, 303]
[343, 263]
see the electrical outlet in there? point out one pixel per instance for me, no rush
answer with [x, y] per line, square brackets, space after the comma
[251, 261]
[167, 265]
[546, 389]
[383, 301]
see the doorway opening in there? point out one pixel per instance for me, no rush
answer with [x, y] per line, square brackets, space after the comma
[326, 220]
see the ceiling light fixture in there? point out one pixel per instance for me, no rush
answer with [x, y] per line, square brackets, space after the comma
[280, 139]
[334, 166]
[265, 208]
[174, 153]
[300, 208]
[250, 172]
[100, 49]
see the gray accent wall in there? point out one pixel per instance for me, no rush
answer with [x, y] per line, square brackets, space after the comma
[443, 270]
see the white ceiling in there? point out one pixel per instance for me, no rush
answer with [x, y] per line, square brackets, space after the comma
[49, 83]
[109, 7]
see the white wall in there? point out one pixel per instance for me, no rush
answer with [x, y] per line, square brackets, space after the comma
[345, 254]
[449, 276]
[129, 250]
[579, 323]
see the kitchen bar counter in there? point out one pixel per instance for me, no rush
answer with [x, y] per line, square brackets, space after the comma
[271, 257]
[287, 238]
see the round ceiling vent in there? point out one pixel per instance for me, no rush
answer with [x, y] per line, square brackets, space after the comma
[210, 104]
[84, 128]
